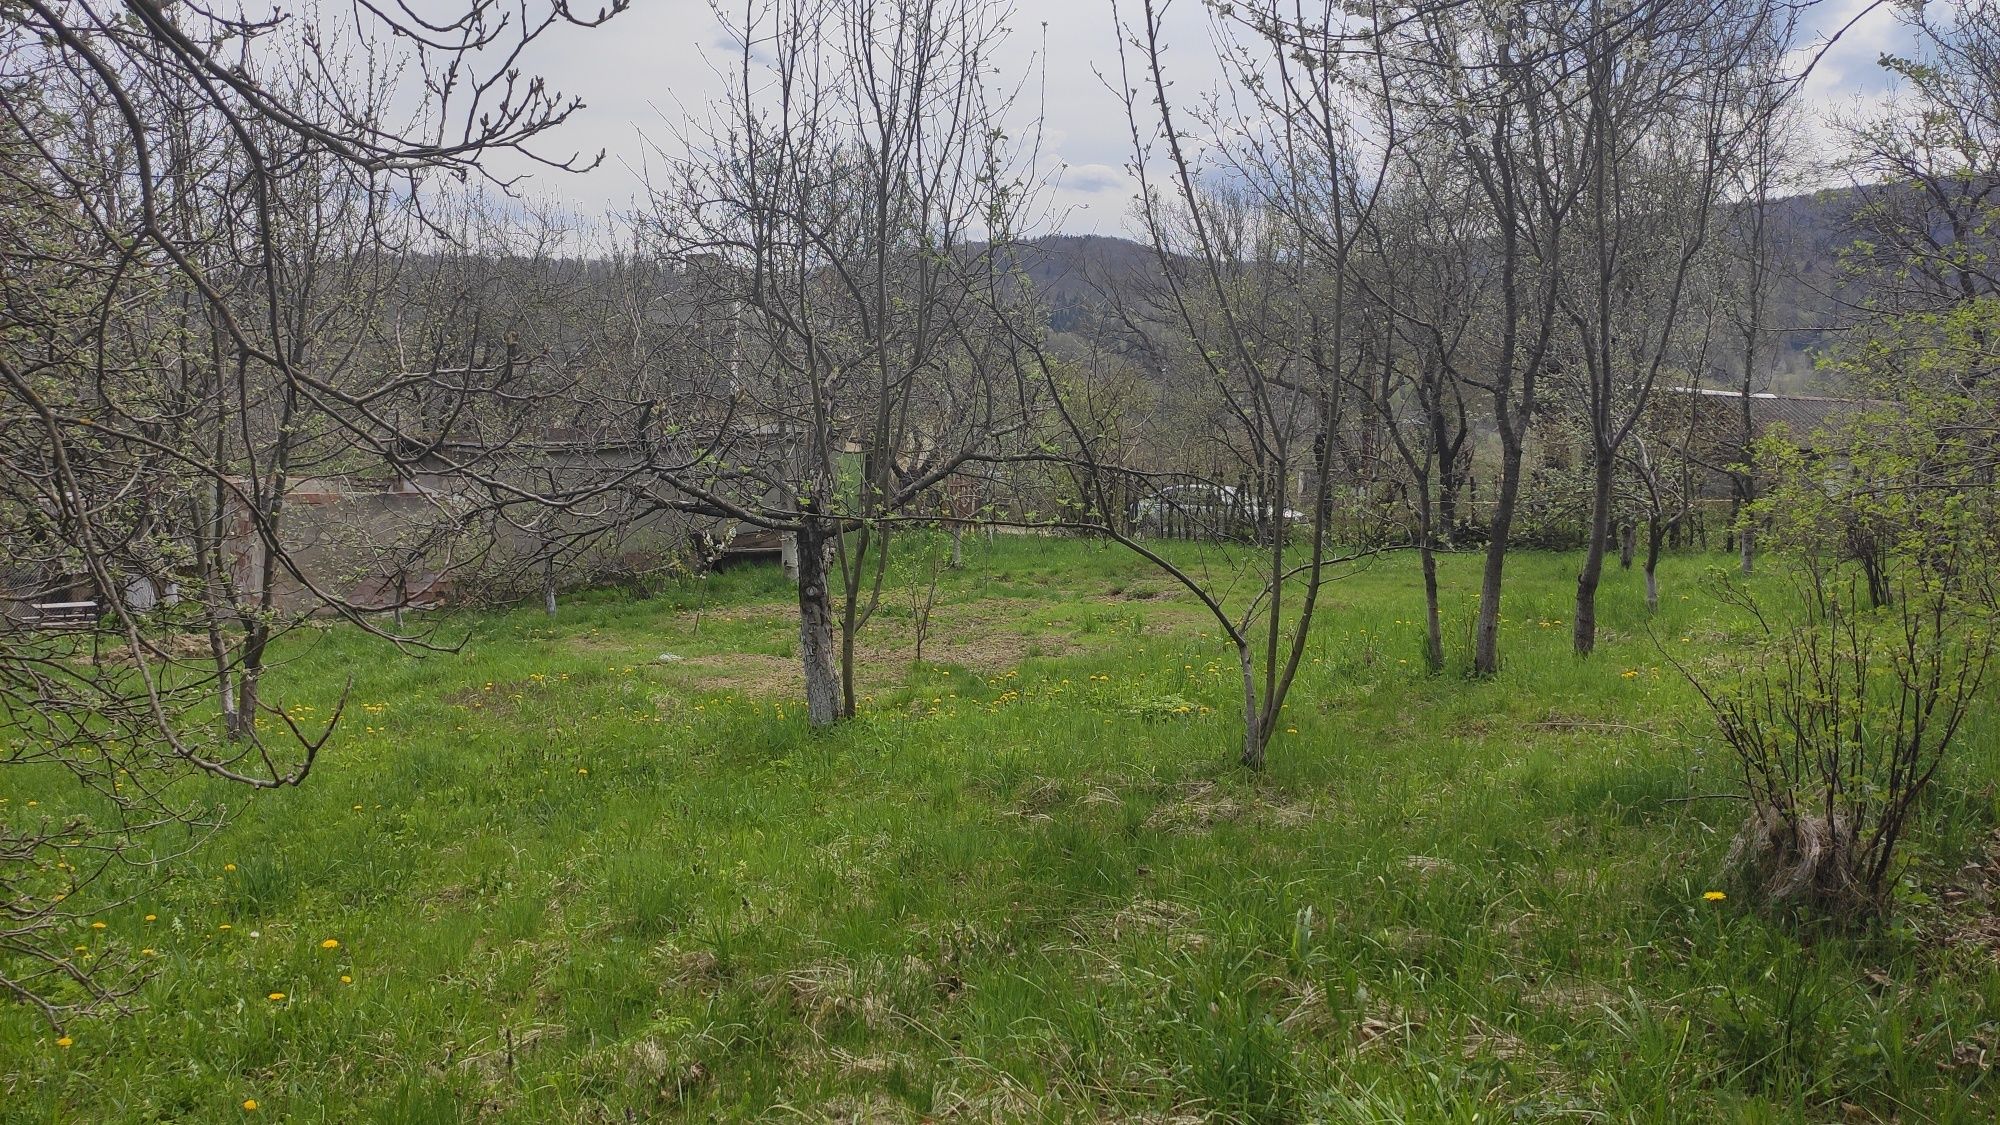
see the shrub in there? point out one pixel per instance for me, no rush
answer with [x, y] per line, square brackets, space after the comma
[1839, 724]
[1856, 689]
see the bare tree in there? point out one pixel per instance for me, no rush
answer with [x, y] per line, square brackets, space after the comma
[1650, 141]
[852, 204]
[1751, 245]
[1249, 322]
[1596, 137]
[1469, 75]
[1659, 455]
[185, 190]
[1424, 268]
[1935, 154]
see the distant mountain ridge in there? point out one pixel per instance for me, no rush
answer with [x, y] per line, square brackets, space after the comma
[1081, 277]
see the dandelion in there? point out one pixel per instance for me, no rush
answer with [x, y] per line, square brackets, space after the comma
[329, 944]
[65, 1042]
[249, 1105]
[147, 953]
[224, 926]
[583, 771]
[345, 979]
[97, 925]
[1629, 673]
[1291, 730]
[152, 917]
[229, 867]
[1713, 896]
[275, 997]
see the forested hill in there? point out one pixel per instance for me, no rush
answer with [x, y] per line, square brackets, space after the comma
[1082, 277]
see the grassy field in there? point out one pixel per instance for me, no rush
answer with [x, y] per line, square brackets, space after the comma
[572, 882]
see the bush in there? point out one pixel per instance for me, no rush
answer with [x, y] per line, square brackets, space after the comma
[1839, 724]
[1851, 700]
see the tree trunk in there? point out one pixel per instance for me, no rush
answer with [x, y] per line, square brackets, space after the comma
[242, 719]
[1627, 544]
[549, 589]
[1655, 536]
[1255, 736]
[1486, 641]
[849, 626]
[1454, 473]
[1875, 566]
[1746, 546]
[853, 617]
[1448, 490]
[957, 545]
[1433, 626]
[816, 643]
[1427, 536]
[1583, 633]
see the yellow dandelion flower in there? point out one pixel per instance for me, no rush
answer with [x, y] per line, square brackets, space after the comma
[65, 1042]
[275, 996]
[345, 979]
[583, 771]
[1713, 896]
[229, 867]
[97, 925]
[152, 917]
[224, 926]
[329, 943]
[249, 1105]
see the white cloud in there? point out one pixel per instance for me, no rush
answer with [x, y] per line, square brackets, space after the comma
[651, 70]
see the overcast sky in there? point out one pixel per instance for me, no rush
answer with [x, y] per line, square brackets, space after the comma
[654, 66]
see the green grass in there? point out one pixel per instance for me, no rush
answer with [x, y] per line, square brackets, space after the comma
[1026, 885]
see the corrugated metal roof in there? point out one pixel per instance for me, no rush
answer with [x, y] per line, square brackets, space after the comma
[1800, 414]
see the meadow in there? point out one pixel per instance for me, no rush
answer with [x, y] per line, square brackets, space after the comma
[550, 876]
